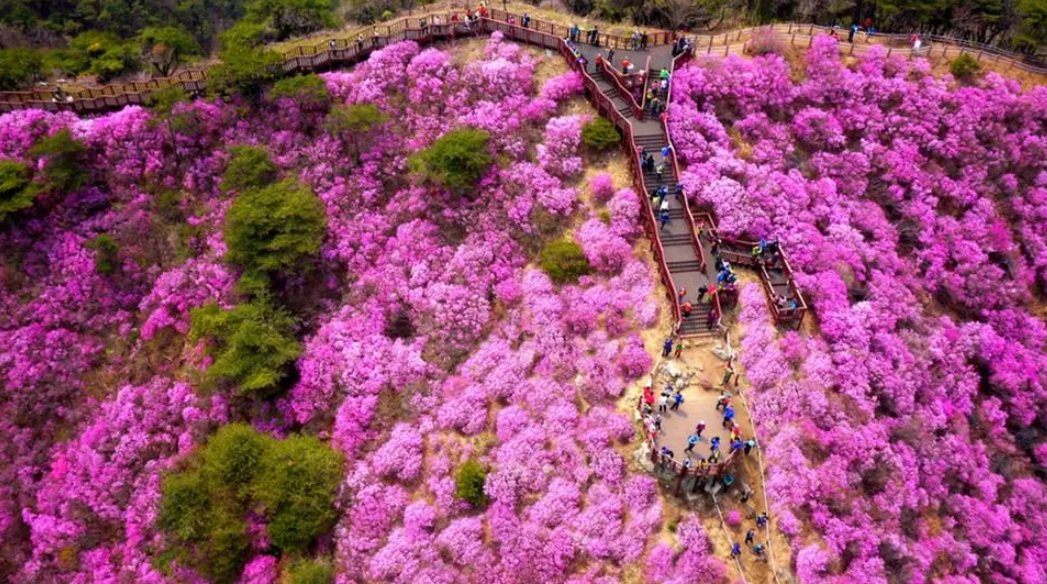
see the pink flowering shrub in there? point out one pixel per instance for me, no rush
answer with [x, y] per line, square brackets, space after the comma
[896, 433]
[427, 340]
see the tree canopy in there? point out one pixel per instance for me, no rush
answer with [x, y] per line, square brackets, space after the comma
[455, 160]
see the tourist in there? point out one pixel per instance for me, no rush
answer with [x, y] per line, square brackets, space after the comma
[758, 548]
[679, 191]
[679, 349]
[677, 401]
[750, 536]
[699, 428]
[854, 29]
[333, 44]
[715, 443]
[736, 432]
[659, 169]
[723, 401]
[664, 205]
[728, 372]
[650, 162]
[635, 40]
[749, 445]
[692, 441]
[687, 464]
[666, 151]
[714, 457]
[667, 347]
[572, 33]
[728, 416]
[627, 66]
[359, 42]
[710, 321]
[643, 41]
[610, 57]
[701, 293]
[595, 36]
[686, 309]
[511, 20]
[737, 445]
[761, 521]
[736, 550]
[526, 20]
[664, 219]
[663, 404]
[747, 492]
[663, 192]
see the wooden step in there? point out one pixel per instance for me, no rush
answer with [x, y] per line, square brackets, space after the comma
[675, 239]
[684, 266]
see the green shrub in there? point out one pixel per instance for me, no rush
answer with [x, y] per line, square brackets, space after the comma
[564, 261]
[106, 250]
[296, 485]
[63, 169]
[455, 160]
[99, 53]
[965, 67]
[232, 456]
[253, 344]
[469, 483]
[250, 167]
[310, 91]
[17, 191]
[291, 482]
[354, 123]
[310, 572]
[274, 228]
[243, 71]
[600, 134]
[19, 67]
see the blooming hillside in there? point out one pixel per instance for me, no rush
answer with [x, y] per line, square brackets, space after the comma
[907, 437]
[160, 294]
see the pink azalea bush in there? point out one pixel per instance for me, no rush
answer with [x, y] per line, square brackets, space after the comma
[903, 433]
[421, 321]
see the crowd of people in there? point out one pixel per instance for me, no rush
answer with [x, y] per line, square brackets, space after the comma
[750, 540]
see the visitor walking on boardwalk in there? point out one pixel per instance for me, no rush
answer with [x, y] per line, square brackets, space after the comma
[749, 445]
[686, 309]
[728, 372]
[667, 347]
[761, 521]
[635, 40]
[677, 401]
[610, 57]
[663, 404]
[526, 20]
[736, 550]
[701, 293]
[723, 401]
[728, 416]
[710, 321]
[750, 536]
[714, 444]
[692, 441]
[699, 428]
[643, 41]
[758, 549]
[664, 219]
[850, 35]
[666, 151]
[679, 349]
[572, 33]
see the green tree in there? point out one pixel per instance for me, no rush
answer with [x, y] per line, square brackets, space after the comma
[106, 251]
[296, 485]
[564, 261]
[102, 54]
[243, 71]
[292, 483]
[600, 134]
[63, 156]
[19, 67]
[272, 229]
[310, 572]
[354, 124]
[455, 160]
[17, 191]
[246, 35]
[250, 167]
[167, 47]
[252, 344]
[163, 103]
[469, 483]
[1032, 31]
[292, 17]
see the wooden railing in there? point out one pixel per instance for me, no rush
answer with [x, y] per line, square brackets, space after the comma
[623, 92]
[343, 50]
